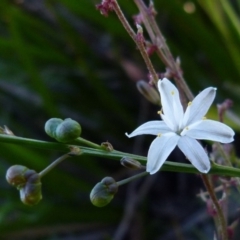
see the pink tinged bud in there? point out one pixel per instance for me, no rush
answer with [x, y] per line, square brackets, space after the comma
[223, 107]
[211, 209]
[105, 7]
[231, 229]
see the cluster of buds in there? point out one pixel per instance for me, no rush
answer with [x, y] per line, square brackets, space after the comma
[105, 7]
[28, 183]
[63, 130]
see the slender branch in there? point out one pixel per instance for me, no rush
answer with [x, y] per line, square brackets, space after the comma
[127, 180]
[222, 226]
[117, 155]
[139, 44]
[88, 143]
[53, 165]
[162, 48]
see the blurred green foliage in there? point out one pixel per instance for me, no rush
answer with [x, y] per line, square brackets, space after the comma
[64, 59]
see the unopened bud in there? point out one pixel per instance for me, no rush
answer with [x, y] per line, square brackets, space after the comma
[103, 192]
[28, 183]
[16, 175]
[131, 163]
[68, 130]
[149, 92]
[31, 193]
[231, 229]
[51, 126]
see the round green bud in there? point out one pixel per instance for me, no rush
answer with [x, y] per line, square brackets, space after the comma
[68, 130]
[16, 175]
[27, 181]
[31, 193]
[51, 125]
[103, 192]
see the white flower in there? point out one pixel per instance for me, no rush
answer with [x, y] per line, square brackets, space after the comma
[181, 129]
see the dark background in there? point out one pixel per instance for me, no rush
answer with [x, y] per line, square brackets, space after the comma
[64, 59]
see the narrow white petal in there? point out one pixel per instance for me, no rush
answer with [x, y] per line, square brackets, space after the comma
[209, 130]
[194, 153]
[152, 127]
[169, 122]
[159, 150]
[172, 107]
[198, 108]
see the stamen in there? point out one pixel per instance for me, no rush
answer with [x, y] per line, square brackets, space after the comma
[159, 112]
[172, 92]
[204, 118]
[159, 134]
[187, 128]
[190, 103]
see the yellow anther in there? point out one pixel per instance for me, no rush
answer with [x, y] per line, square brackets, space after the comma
[159, 135]
[159, 112]
[186, 128]
[172, 92]
[204, 118]
[190, 103]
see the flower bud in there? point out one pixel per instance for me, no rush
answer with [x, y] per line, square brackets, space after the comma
[28, 183]
[68, 130]
[107, 146]
[31, 193]
[103, 192]
[16, 175]
[131, 163]
[51, 125]
[149, 92]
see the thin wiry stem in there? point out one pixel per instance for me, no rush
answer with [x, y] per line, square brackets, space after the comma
[163, 51]
[221, 222]
[139, 44]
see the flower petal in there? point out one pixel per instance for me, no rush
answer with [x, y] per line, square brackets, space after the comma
[152, 127]
[168, 122]
[209, 130]
[195, 153]
[159, 150]
[198, 108]
[172, 107]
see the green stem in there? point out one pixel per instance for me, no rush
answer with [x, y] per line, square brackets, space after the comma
[127, 180]
[117, 155]
[53, 165]
[88, 143]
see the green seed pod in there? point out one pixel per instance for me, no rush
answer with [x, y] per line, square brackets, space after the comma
[31, 193]
[103, 192]
[51, 125]
[16, 175]
[68, 130]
